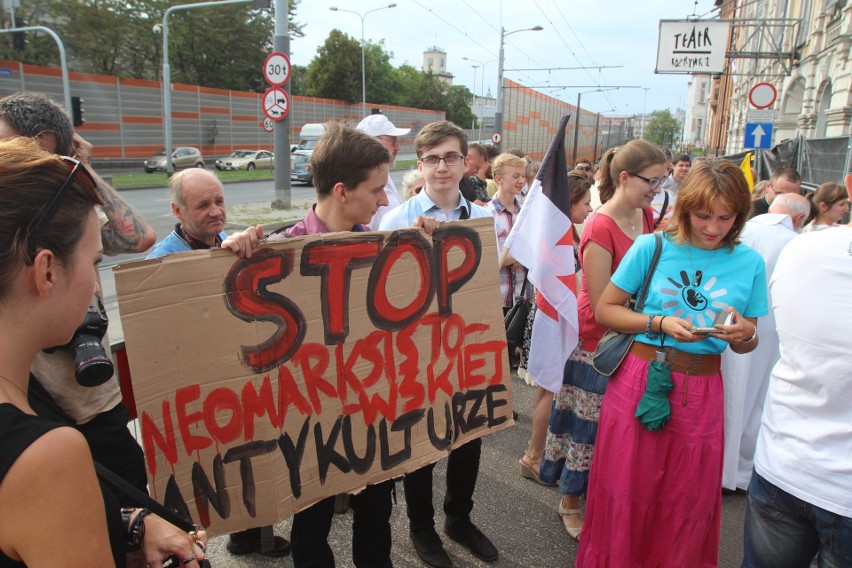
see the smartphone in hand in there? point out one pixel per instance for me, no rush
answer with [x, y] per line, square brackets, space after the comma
[722, 318]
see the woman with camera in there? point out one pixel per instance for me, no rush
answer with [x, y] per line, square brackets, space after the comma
[654, 487]
[52, 510]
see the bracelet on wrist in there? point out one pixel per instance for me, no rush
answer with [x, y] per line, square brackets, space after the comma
[136, 530]
[649, 333]
[750, 339]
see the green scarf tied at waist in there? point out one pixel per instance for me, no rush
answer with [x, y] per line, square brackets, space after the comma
[654, 410]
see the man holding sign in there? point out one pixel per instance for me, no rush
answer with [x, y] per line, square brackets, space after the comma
[198, 202]
[350, 172]
[442, 152]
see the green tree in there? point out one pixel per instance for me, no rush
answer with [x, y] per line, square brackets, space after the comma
[335, 72]
[662, 128]
[459, 99]
[420, 90]
[215, 47]
[299, 80]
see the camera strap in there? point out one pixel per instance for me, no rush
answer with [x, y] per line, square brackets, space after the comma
[142, 500]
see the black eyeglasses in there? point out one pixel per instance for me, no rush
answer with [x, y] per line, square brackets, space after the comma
[450, 159]
[53, 206]
[654, 183]
[584, 168]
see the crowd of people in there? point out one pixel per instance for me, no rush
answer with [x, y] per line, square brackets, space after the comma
[731, 380]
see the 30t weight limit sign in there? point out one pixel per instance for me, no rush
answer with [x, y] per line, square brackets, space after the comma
[276, 69]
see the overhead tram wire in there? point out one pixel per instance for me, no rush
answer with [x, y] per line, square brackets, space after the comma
[452, 26]
[481, 17]
[600, 79]
[600, 83]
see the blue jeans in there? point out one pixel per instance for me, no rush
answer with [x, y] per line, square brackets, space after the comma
[782, 531]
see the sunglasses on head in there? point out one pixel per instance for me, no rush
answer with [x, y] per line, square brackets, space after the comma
[52, 207]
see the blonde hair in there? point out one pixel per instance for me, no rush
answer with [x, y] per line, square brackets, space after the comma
[507, 160]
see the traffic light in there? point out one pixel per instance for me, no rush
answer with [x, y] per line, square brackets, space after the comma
[77, 111]
[19, 39]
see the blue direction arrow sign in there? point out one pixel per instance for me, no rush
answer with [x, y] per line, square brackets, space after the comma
[758, 135]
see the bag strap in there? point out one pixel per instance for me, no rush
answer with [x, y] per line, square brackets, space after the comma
[646, 285]
[141, 499]
[663, 210]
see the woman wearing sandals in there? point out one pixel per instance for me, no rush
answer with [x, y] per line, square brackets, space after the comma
[580, 199]
[654, 491]
[630, 178]
[52, 512]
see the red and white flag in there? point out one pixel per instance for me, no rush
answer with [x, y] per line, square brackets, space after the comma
[542, 239]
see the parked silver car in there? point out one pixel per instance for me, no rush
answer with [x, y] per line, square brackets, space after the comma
[182, 157]
[247, 160]
[300, 167]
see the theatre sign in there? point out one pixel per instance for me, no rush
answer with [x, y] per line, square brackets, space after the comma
[692, 46]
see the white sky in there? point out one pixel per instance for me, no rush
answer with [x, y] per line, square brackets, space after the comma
[576, 33]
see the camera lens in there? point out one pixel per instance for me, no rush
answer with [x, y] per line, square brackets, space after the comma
[91, 365]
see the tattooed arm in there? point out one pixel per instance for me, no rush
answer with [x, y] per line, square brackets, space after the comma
[126, 230]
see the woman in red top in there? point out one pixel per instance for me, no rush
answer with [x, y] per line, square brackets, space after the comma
[630, 177]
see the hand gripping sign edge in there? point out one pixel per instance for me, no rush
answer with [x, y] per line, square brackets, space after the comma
[276, 103]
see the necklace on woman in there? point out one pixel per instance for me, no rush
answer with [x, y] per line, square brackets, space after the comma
[14, 384]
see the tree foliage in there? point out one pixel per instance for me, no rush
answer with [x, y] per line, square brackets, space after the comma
[335, 72]
[662, 128]
[222, 46]
[459, 100]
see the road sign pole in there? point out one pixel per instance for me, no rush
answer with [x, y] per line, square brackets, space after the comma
[281, 43]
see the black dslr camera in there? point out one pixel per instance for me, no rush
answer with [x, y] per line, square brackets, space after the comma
[92, 366]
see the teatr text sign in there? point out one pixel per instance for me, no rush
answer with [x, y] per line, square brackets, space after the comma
[692, 46]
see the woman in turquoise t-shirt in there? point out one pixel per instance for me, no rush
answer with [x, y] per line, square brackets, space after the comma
[655, 496]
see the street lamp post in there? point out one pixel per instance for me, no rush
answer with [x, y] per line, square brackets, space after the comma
[644, 97]
[473, 100]
[481, 90]
[577, 119]
[498, 116]
[167, 73]
[363, 47]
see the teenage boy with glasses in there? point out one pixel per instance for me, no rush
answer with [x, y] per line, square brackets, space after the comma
[442, 158]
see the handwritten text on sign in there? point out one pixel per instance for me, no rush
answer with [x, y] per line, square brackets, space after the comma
[318, 366]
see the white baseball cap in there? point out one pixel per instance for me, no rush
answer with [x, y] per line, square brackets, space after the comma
[379, 125]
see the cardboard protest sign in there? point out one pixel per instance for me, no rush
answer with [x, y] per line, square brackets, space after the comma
[317, 366]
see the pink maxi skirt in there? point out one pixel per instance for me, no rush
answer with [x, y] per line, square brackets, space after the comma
[655, 498]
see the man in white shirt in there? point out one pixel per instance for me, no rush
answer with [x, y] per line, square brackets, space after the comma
[799, 499]
[378, 126]
[746, 377]
[663, 203]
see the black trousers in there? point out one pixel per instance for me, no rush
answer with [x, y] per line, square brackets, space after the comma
[462, 470]
[371, 531]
